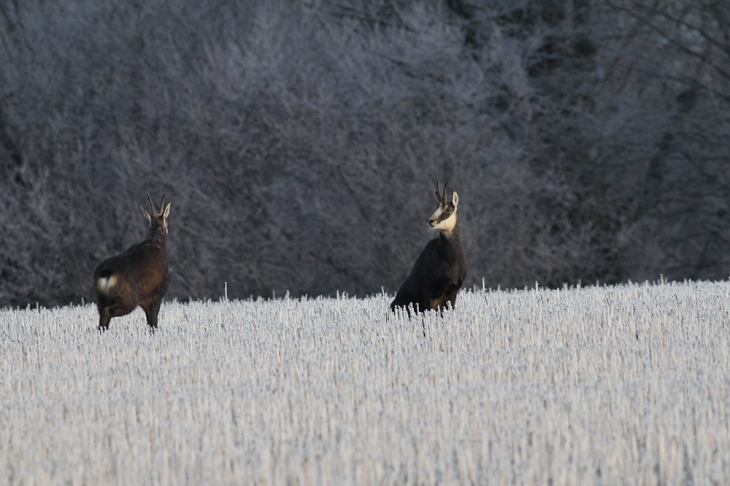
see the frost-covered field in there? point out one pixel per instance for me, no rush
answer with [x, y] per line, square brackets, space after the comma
[628, 385]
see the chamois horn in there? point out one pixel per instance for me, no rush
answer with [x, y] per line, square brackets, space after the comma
[152, 205]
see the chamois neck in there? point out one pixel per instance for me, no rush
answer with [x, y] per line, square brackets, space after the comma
[157, 236]
[451, 235]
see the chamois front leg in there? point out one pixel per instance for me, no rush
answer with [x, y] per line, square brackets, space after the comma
[447, 297]
[151, 312]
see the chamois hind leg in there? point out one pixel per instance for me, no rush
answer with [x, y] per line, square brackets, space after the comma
[151, 312]
[114, 308]
[104, 318]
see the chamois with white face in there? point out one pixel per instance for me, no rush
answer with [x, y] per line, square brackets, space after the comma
[440, 269]
[137, 277]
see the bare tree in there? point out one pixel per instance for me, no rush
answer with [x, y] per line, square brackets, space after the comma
[585, 140]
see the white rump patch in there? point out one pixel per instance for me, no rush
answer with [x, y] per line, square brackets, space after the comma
[106, 283]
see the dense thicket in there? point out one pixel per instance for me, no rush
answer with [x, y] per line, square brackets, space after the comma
[299, 141]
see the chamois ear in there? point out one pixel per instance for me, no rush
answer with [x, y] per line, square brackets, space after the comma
[454, 199]
[146, 214]
[166, 212]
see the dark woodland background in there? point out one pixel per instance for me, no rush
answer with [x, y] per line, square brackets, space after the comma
[300, 141]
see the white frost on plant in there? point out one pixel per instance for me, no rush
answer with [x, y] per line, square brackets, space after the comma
[600, 385]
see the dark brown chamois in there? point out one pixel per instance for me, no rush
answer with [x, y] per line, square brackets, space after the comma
[440, 269]
[137, 277]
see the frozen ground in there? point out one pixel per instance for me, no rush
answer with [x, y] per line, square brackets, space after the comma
[615, 385]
